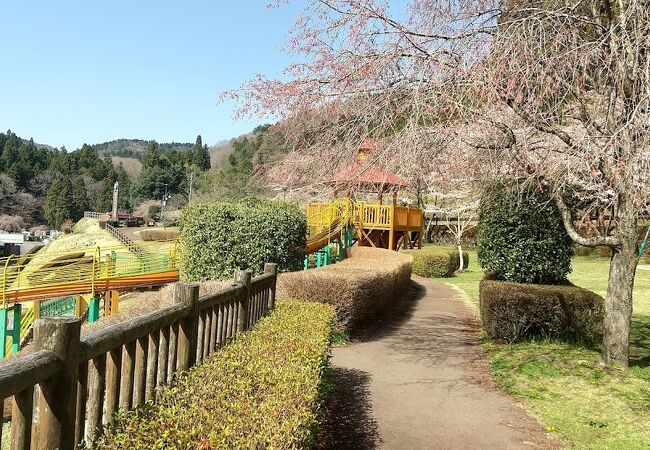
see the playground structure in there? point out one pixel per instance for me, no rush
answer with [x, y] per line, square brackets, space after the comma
[345, 220]
[70, 283]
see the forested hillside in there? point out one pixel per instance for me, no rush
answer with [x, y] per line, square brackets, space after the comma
[245, 163]
[39, 185]
[135, 148]
[45, 185]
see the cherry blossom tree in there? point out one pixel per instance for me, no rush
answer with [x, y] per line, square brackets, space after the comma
[459, 211]
[556, 92]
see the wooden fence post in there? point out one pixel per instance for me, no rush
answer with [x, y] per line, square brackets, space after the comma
[273, 269]
[187, 294]
[244, 278]
[57, 399]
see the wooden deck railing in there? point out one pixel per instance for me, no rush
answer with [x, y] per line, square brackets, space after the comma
[68, 386]
[320, 215]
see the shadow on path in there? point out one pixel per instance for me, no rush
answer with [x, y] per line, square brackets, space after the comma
[348, 421]
[417, 378]
[392, 318]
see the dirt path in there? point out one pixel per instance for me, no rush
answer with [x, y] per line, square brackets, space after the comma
[418, 380]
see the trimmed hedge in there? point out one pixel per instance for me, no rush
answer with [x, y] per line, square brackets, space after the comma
[359, 287]
[514, 312]
[158, 235]
[521, 237]
[262, 391]
[437, 262]
[217, 238]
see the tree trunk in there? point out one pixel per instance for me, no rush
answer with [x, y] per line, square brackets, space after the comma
[460, 257]
[618, 301]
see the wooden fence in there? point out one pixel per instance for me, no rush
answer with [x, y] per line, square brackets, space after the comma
[69, 386]
[96, 215]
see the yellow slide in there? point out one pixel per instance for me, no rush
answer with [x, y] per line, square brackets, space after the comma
[323, 238]
[327, 224]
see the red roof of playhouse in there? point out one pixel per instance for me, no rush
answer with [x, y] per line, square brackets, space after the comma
[361, 172]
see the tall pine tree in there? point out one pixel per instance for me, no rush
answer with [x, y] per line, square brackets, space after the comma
[151, 155]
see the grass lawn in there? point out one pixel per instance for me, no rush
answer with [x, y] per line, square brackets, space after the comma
[564, 386]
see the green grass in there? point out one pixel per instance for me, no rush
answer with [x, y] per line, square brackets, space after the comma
[564, 385]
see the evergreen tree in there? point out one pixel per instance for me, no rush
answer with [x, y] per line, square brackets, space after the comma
[205, 158]
[151, 155]
[79, 198]
[105, 197]
[59, 204]
[196, 158]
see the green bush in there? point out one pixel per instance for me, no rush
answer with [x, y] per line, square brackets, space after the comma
[521, 237]
[437, 262]
[581, 250]
[513, 312]
[456, 258]
[158, 235]
[262, 391]
[154, 211]
[217, 238]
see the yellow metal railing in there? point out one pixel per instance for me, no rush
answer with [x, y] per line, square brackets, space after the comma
[321, 216]
[85, 265]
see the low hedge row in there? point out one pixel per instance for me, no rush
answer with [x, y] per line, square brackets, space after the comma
[437, 262]
[513, 312]
[262, 391]
[158, 235]
[358, 287]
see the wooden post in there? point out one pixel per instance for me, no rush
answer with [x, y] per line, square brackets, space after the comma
[391, 232]
[55, 426]
[126, 376]
[80, 306]
[95, 401]
[21, 419]
[187, 294]
[163, 357]
[152, 363]
[140, 372]
[243, 278]
[113, 369]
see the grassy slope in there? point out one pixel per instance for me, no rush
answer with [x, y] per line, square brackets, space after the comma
[565, 386]
[86, 235]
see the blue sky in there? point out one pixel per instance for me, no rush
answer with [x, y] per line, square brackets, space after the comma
[93, 71]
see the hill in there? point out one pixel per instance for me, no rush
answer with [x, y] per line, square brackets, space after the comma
[220, 152]
[133, 166]
[135, 148]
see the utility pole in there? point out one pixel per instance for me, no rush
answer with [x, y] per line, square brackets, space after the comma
[163, 202]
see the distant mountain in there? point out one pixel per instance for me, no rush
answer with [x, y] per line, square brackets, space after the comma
[135, 148]
[39, 146]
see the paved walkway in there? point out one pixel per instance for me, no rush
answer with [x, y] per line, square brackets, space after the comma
[419, 380]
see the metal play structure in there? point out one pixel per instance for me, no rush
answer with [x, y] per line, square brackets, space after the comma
[346, 220]
[48, 284]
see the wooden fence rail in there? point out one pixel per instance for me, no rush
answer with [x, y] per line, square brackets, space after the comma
[96, 215]
[68, 387]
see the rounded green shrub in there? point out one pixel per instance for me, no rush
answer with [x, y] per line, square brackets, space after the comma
[521, 237]
[217, 238]
[437, 262]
